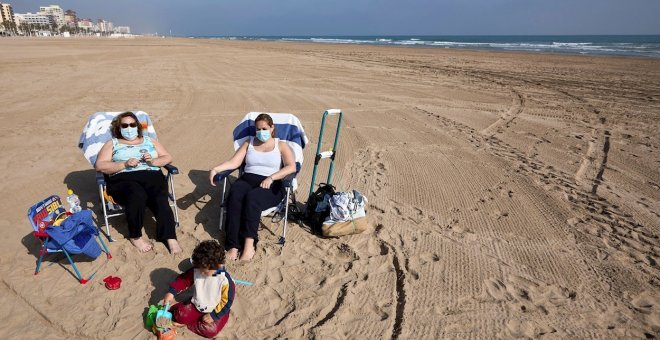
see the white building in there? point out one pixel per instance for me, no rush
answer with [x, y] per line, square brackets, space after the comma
[123, 29]
[86, 24]
[55, 11]
[33, 19]
[104, 26]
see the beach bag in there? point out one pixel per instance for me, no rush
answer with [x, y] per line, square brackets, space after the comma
[77, 234]
[318, 207]
[347, 214]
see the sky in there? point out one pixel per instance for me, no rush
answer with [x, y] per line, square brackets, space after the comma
[367, 17]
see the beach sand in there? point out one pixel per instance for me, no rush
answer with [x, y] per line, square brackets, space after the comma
[510, 194]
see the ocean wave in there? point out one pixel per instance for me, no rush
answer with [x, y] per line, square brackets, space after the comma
[598, 46]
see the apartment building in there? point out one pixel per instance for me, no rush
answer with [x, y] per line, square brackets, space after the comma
[87, 24]
[55, 11]
[33, 19]
[6, 13]
[123, 29]
[70, 18]
[104, 25]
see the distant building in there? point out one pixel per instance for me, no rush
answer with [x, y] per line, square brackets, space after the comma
[104, 26]
[6, 15]
[86, 24]
[33, 19]
[70, 18]
[55, 11]
[123, 29]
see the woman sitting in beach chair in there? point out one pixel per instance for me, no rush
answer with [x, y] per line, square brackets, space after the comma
[132, 161]
[267, 161]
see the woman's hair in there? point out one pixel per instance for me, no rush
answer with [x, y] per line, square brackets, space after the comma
[115, 127]
[265, 117]
[208, 254]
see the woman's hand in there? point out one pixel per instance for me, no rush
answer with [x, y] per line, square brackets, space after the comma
[212, 174]
[146, 157]
[132, 162]
[266, 183]
[207, 318]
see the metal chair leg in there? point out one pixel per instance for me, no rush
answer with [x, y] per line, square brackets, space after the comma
[222, 205]
[286, 217]
[105, 213]
[173, 197]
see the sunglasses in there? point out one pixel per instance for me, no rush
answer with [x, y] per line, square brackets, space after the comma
[125, 125]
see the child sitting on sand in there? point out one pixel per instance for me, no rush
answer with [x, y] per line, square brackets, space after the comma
[207, 312]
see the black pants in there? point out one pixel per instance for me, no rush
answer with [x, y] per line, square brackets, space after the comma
[244, 206]
[136, 190]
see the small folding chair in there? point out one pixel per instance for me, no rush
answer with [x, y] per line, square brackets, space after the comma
[46, 217]
[288, 128]
[96, 133]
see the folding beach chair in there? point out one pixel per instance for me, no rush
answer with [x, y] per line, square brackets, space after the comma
[95, 133]
[288, 128]
[58, 232]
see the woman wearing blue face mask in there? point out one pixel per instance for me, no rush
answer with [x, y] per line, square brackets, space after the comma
[135, 181]
[267, 161]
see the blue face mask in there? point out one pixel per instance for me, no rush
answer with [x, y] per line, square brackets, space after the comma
[129, 133]
[263, 135]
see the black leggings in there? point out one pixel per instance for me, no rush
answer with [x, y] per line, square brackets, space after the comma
[244, 206]
[136, 190]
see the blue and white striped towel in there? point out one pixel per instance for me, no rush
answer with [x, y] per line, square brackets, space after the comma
[97, 131]
[287, 127]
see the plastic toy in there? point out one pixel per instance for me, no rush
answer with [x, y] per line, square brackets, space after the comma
[112, 282]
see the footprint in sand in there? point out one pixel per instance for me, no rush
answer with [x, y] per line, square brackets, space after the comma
[526, 329]
[526, 295]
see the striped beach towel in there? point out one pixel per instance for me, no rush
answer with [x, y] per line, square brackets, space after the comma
[97, 131]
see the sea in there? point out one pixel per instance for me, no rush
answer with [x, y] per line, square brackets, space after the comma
[619, 45]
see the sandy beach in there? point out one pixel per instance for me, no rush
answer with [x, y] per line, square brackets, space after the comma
[511, 195]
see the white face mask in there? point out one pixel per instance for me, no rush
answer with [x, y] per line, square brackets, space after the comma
[263, 135]
[129, 133]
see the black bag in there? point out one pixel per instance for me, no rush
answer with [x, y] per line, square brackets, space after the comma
[316, 213]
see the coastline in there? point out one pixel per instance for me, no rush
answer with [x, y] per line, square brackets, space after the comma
[554, 48]
[647, 46]
[510, 193]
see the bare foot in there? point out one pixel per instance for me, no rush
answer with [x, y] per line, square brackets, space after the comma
[232, 254]
[173, 244]
[248, 253]
[142, 245]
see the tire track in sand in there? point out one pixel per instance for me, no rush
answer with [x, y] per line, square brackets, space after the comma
[598, 225]
[590, 173]
[52, 325]
[371, 169]
[518, 103]
[593, 214]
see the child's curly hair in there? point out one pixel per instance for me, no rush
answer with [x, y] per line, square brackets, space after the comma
[208, 254]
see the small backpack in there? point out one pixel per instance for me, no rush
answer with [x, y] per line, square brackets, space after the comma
[318, 207]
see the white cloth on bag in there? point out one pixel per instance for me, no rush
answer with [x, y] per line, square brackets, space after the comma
[346, 206]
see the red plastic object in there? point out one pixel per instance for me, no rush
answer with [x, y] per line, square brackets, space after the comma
[112, 282]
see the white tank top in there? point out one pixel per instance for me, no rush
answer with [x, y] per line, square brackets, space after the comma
[263, 163]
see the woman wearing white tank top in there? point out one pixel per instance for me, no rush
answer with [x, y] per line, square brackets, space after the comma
[267, 161]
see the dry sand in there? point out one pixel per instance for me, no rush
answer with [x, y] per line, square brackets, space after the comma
[511, 195]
